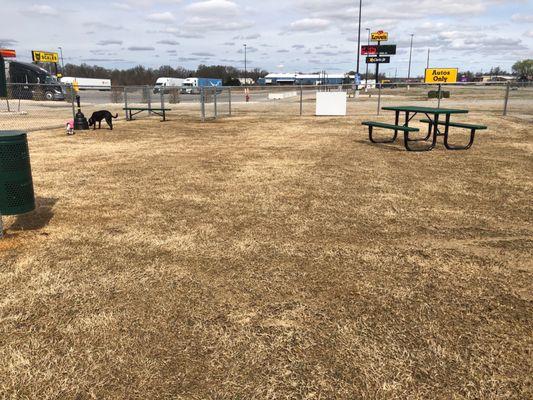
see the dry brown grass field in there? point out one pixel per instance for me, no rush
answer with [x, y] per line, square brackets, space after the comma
[270, 258]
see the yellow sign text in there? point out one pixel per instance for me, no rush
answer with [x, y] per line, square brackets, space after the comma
[44, 56]
[441, 75]
[379, 36]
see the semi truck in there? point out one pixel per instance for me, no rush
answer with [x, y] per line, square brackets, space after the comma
[194, 85]
[167, 84]
[88, 83]
[30, 82]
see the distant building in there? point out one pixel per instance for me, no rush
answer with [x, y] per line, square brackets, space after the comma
[498, 78]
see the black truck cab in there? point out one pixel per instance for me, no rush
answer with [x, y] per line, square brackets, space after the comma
[32, 82]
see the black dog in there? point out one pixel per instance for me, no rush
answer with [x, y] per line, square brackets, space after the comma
[98, 116]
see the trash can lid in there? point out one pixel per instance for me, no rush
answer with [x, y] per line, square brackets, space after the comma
[7, 135]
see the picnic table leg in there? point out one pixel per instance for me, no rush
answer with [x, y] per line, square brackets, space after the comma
[447, 133]
[433, 130]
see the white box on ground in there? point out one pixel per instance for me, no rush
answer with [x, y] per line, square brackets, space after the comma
[330, 103]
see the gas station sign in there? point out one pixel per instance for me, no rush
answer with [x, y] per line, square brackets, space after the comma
[379, 36]
[378, 60]
[373, 50]
[44, 56]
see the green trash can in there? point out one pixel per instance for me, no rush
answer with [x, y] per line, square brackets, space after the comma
[16, 184]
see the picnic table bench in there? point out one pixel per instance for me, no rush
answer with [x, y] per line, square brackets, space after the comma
[432, 119]
[131, 111]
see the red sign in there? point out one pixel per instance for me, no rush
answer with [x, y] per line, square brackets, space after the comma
[369, 50]
[6, 53]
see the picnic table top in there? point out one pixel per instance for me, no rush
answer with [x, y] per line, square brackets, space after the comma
[147, 108]
[428, 110]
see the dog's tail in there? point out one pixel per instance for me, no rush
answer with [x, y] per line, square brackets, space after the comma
[116, 116]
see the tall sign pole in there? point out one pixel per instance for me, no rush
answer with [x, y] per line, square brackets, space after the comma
[245, 68]
[410, 57]
[358, 47]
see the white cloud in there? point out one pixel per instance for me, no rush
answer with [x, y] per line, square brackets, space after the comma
[164, 17]
[42, 9]
[109, 42]
[522, 18]
[310, 25]
[141, 48]
[213, 7]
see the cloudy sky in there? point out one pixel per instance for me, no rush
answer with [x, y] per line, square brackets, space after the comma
[282, 36]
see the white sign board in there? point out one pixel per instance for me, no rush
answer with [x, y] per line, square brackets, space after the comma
[330, 103]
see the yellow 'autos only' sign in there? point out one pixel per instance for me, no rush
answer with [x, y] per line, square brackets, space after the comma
[441, 75]
[379, 36]
[44, 56]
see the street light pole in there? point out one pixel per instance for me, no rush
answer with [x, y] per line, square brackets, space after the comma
[358, 45]
[366, 74]
[410, 58]
[427, 65]
[62, 61]
[245, 68]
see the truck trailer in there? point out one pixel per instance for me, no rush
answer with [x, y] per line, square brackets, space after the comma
[194, 85]
[88, 83]
[167, 84]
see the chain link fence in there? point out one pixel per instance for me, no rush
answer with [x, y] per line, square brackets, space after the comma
[33, 107]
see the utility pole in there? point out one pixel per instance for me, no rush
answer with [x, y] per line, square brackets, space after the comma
[245, 68]
[358, 46]
[410, 58]
[366, 74]
[427, 65]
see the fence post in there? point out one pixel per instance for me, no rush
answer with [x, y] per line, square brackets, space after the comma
[439, 95]
[301, 100]
[379, 97]
[72, 101]
[506, 103]
[149, 96]
[202, 103]
[163, 104]
[126, 101]
[229, 100]
[215, 102]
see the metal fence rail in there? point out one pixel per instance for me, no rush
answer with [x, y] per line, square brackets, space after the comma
[28, 107]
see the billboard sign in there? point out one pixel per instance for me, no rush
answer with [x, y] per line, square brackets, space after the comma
[378, 60]
[441, 75]
[379, 36]
[44, 56]
[374, 50]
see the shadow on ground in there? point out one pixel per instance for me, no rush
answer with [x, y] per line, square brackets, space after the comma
[37, 219]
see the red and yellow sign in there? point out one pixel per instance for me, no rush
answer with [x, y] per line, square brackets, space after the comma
[441, 75]
[7, 53]
[379, 36]
[44, 56]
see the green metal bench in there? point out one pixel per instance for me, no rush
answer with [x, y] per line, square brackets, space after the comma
[473, 128]
[396, 128]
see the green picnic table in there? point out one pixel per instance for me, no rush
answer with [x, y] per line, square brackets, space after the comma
[433, 119]
[131, 111]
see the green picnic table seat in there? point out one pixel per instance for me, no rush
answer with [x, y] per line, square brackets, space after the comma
[373, 124]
